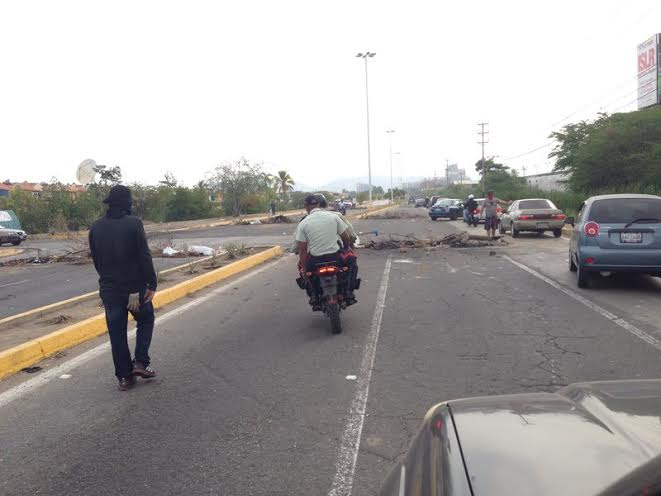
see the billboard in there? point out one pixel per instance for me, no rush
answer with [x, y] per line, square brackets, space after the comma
[648, 73]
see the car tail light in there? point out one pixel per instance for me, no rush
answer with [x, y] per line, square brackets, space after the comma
[589, 260]
[558, 216]
[526, 217]
[591, 229]
[327, 270]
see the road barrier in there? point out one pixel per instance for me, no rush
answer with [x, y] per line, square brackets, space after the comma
[24, 355]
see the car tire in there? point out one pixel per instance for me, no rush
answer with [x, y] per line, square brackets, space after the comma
[433, 218]
[501, 228]
[515, 231]
[453, 218]
[572, 265]
[16, 243]
[582, 277]
[557, 232]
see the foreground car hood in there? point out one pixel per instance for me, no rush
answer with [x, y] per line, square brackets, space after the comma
[576, 441]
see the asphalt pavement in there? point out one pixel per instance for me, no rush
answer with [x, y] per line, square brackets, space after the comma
[256, 397]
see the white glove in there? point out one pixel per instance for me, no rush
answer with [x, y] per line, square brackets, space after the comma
[134, 302]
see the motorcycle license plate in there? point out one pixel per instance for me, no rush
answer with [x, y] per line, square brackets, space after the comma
[631, 237]
[542, 225]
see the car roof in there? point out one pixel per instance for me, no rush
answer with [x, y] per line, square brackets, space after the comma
[529, 199]
[501, 436]
[620, 195]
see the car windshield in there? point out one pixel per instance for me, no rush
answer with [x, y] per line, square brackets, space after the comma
[625, 210]
[535, 204]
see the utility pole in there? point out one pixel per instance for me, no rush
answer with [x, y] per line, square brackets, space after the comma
[447, 173]
[392, 198]
[482, 132]
[524, 170]
[365, 56]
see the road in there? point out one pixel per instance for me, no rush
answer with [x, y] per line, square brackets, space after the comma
[256, 397]
[25, 287]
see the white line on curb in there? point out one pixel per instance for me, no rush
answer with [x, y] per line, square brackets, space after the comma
[50, 374]
[347, 456]
[639, 333]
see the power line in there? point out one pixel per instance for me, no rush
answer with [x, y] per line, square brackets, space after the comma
[514, 157]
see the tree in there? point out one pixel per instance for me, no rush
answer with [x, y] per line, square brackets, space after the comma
[108, 176]
[614, 151]
[239, 181]
[285, 183]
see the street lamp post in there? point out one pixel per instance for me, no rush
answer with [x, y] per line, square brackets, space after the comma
[365, 56]
[390, 131]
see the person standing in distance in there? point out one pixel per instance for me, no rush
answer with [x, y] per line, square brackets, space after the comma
[127, 283]
[490, 208]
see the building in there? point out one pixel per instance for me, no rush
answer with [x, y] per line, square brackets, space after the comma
[551, 181]
[5, 189]
[454, 174]
[362, 187]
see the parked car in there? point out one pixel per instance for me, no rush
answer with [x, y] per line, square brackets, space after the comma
[616, 233]
[532, 215]
[479, 213]
[592, 438]
[13, 236]
[446, 208]
[421, 202]
[411, 200]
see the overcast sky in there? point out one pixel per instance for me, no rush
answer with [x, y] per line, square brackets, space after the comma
[156, 86]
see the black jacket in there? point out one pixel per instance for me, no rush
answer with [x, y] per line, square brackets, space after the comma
[121, 255]
[470, 204]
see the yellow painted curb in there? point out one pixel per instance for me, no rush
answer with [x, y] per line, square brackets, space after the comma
[14, 359]
[40, 311]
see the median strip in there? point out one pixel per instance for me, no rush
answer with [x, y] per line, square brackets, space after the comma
[24, 355]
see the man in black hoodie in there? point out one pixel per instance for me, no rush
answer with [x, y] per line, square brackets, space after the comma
[127, 283]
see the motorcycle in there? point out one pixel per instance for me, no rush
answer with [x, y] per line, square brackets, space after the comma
[328, 287]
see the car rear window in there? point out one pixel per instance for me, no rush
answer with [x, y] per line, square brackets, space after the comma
[625, 210]
[534, 204]
[444, 203]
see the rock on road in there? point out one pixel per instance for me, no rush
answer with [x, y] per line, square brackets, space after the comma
[253, 396]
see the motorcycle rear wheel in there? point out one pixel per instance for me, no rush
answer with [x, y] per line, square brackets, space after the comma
[333, 311]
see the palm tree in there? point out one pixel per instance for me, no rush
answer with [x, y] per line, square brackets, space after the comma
[285, 183]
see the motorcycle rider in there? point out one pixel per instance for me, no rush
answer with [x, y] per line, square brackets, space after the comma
[317, 239]
[469, 207]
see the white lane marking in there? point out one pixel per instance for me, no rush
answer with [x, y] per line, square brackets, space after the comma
[639, 333]
[402, 481]
[14, 283]
[347, 455]
[566, 239]
[451, 269]
[56, 372]
[351, 377]
[65, 376]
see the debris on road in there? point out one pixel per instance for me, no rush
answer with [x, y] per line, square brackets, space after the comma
[168, 251]
[402, 242]
[278, 219]
[201, 250]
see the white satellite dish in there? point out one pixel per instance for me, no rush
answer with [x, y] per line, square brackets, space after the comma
[86, 171]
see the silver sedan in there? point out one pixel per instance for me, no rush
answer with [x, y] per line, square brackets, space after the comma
[533, 215]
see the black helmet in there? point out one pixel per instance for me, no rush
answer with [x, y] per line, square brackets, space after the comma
[315, 199]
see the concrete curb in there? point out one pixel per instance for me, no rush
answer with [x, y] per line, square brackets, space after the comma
[14, 359]
[40, 311]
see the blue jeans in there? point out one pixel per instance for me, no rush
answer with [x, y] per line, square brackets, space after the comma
[117, 320]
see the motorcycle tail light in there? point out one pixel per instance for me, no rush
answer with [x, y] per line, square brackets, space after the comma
[327, 270]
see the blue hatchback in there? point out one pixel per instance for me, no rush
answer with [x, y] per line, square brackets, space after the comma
[616, 233]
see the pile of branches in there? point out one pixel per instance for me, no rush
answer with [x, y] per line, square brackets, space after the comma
[457, 240]
[278, 219]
